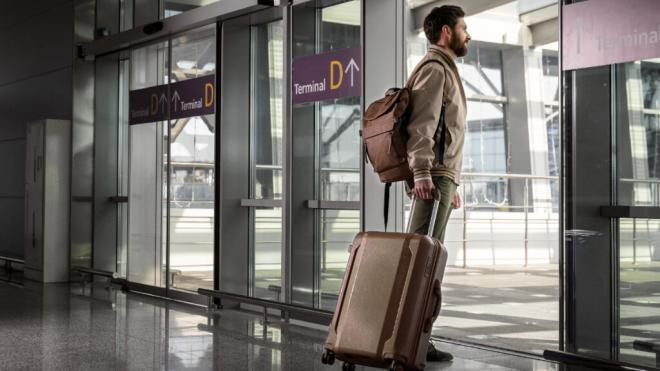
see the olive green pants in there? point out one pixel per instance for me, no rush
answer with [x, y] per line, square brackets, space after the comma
[422, 213]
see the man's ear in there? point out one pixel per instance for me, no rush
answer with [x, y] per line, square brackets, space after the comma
[446, 30]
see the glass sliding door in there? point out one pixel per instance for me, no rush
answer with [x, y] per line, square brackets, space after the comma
[326, 147]
[171, 161]
[191, 141]
[339, 149]
[122, 164]
[638, 185]
[266, 118]
[147, 158]
[251, 152]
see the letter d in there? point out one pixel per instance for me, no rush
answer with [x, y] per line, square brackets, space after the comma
[209, 94]
[337, 64]
[154, 104]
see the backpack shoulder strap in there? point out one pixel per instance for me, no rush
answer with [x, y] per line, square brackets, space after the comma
[413, 76]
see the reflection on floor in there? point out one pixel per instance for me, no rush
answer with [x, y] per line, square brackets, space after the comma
[511, 307]
[639, 310]
[60, 327]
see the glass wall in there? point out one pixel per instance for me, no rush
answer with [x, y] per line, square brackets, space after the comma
[266, 162]
[332, 183]
[170, 163]
[501, 283]
[122, 164]
[192, 169]
[339, 149]
[147, 194]
[551, 110]
[638, 162]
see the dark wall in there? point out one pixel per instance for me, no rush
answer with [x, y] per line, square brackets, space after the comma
[36, 54]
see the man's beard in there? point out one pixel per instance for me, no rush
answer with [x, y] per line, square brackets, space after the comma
[460, 48]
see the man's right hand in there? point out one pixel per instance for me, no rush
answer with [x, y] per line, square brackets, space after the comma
[425, 189]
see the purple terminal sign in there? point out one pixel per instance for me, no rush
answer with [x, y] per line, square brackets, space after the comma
[148, 105]
[194, 97]
[188, 98]
[325, 76]
[602, 32]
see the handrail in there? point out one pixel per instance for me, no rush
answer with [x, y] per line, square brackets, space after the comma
[622, 211]
[113, 277]
[510, 176]
[12, 260]
[631, 180]
[464, 174]
[288, 308]
[592, 362]
[97, 272]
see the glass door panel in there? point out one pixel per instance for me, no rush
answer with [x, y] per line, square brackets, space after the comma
[326, 154]
[335, 156]
[339, 180]
[122, 164]
[266, 162]
[146, 182]
[191, 167]
[638, 162]
[339, 148]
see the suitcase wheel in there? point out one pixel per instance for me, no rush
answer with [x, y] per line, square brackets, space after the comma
[328, 358]
[397, 366]
[347, 367]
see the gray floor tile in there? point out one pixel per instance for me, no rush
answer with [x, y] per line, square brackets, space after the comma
[59, 328]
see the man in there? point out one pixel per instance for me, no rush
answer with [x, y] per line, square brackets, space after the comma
[436, 157]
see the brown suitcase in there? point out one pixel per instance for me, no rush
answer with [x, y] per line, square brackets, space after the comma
[388, 302]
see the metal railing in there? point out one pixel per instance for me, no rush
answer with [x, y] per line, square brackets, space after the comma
[469, 179]
[474, 189]
[9, 261]
[653, 200]
[653, 188]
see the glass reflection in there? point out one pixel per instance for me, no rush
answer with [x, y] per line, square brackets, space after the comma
[501, 283]
[339, 149]
[639, 185]
[191, 170]
[146, 179]
[266, 142]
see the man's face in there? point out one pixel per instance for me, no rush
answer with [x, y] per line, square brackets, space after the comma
[459, 38]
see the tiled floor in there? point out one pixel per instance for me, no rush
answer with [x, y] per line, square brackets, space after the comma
[57, 327]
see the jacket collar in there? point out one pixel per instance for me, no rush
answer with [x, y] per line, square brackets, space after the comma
[442, 53]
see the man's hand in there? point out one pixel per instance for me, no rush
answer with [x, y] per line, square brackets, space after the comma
[425, 189]
[457, 200]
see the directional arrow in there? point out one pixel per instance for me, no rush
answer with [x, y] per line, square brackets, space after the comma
[176, 98]
[352, 67]
[163, 101]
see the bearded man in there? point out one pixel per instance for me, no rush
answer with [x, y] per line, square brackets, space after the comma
[437, 127]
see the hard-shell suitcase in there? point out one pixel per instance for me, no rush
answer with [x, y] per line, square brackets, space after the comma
[388, 302]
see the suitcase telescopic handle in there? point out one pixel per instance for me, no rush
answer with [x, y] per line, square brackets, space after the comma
[434, 215]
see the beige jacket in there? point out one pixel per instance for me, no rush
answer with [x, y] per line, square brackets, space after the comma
[431, 84]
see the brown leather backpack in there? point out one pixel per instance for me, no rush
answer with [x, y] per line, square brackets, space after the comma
[385, 136]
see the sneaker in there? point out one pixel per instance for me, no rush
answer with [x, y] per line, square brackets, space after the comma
[435, 355]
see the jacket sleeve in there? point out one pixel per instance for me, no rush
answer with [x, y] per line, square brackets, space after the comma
[427, 95]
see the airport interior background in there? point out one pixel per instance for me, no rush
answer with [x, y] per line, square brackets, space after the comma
[261, 194]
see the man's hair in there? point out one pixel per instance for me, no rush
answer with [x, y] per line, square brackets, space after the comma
[439, 17]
